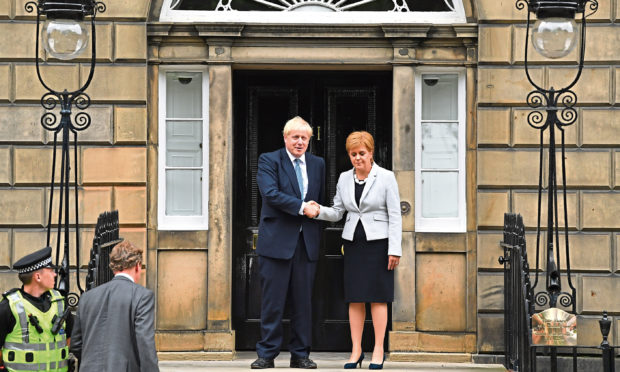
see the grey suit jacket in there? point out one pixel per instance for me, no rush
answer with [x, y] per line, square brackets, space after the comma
[379, 208]
[114, 328]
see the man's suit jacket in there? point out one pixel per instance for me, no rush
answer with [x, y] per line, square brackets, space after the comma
[280, 221]
[379, 208]
[114, 328]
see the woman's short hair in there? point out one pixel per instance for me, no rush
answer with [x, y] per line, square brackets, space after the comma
[360, 138]
[125, 255]
[297, 123]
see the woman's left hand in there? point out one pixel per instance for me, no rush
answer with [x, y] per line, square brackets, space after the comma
[393, 262]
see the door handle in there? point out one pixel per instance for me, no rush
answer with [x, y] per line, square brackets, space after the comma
[318, 133]
[254, 240]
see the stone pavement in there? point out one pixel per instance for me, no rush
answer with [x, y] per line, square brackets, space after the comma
[327, 362]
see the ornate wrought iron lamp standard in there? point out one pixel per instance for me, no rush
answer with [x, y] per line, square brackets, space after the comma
[65, 36]
[554, 35]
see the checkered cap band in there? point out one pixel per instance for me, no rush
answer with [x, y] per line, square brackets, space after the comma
[36, 266]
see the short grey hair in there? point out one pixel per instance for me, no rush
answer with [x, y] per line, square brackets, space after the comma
[297, 123]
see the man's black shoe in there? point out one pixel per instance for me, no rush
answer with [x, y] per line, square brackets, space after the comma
[262, 363]
[305, 363]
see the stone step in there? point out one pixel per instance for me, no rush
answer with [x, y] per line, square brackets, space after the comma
[327, 362]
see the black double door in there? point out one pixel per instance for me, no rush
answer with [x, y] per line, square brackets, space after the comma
[335, 104]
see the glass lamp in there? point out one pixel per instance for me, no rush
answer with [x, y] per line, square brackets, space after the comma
[64, 33]
[555, 33]
[64, 38]
[554, 37]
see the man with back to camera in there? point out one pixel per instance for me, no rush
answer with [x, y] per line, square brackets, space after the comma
[33, 332]
[288, 243]
[114, 328]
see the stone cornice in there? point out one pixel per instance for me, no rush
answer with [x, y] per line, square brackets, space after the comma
[219, 30]
[466, 31]
[159, 29]
[406, 31]
[305, 31]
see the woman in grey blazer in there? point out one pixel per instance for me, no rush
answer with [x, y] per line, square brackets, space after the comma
[372, 242]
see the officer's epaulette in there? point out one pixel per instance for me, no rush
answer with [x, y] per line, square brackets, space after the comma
[5, 294]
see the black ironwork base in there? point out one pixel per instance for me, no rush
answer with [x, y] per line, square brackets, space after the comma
[519, 307]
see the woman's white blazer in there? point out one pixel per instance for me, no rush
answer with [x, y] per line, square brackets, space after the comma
[379, 208]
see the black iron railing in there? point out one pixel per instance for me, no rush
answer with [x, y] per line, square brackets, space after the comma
[520, 305]
[106, 237]
[518, 295]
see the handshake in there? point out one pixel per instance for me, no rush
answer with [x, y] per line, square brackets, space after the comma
[312, 208]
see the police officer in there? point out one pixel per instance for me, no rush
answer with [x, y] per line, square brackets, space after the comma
[33, 333]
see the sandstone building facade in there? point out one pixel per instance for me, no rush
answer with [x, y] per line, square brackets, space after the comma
[182, 104]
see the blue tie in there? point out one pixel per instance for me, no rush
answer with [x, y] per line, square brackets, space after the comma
[300, 180]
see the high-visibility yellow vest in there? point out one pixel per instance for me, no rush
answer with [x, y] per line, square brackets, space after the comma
[25, 349]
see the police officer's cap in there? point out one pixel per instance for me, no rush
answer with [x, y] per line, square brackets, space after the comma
[34, 261]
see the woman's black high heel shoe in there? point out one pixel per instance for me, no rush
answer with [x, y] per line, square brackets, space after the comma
[354, 364]
[376, 366]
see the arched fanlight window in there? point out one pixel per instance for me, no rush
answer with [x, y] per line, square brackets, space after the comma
[317, 5]
[342, 11]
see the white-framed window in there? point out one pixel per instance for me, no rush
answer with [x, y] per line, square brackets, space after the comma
[440, 120]
[183, 158]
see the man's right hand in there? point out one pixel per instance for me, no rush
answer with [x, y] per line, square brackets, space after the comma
[311, 210]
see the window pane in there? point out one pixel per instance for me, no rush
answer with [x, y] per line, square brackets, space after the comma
[440, 194]
[183, 192]
[184, 143]
[440, 145]
[439, 97]
[184, 94]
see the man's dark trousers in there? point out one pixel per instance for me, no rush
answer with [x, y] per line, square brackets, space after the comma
[280, 277]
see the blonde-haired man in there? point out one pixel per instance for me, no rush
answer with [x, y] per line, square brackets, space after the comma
[288, 243]
[297, 123]
[114, 328]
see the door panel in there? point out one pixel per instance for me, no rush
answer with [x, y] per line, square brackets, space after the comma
[335, 104]
[254, 133]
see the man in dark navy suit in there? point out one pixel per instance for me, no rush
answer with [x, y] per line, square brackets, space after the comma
[288, 243]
